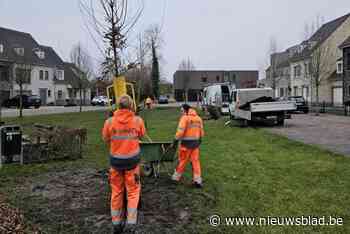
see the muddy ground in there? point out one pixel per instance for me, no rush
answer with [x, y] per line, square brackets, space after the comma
[78, 202]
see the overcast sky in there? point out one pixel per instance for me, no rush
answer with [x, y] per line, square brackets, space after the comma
[215, 34]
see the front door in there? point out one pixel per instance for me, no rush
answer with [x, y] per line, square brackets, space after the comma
[337, 96]
[43, 96]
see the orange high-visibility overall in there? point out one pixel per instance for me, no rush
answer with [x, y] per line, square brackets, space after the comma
[189, 132]
[122, 132]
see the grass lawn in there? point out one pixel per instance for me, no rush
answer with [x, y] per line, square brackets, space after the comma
[248, 172]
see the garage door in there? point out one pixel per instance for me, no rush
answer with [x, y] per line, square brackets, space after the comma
[337, 96]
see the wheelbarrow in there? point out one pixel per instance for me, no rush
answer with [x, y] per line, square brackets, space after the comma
[153, 154]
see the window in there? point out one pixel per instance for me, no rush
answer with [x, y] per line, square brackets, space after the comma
[295, 90]
[307, 69]
[217, 78]
[4, 75]
[40, 54]
[1, 48]
[49, 93]
[297, 71]
[19, 51]
[204, 79]
[23, 75]
[348, 63]
[41, 75]
[281, 92]
[234, 96]
[46, 75]
[233, 78]
[349, 90]
[340, 67]
[59, 94]
[59, 75]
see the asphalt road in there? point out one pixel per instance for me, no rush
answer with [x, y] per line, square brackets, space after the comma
[47, 110]
[327, 131]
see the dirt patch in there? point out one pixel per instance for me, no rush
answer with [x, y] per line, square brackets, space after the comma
[78, 202]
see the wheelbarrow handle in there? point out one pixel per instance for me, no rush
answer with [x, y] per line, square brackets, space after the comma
[148, 138]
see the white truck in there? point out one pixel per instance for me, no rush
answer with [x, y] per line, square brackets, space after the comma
[258, 104]
[216, 98]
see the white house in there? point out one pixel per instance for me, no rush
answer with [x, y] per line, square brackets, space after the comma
[48, 73]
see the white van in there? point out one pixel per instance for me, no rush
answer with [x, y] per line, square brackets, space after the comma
[217, 96]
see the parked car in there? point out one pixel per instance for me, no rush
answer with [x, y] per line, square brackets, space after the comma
[302, 105]
[163, 100]
[27, 101]
[99, 101]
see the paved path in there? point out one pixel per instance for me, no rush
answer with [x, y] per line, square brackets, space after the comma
[47, 110]
[328, 131]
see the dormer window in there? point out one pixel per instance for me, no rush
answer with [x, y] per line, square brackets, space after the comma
[312, 44]
[40, 54]
[1, 48]
[60, 75]
[19, 51]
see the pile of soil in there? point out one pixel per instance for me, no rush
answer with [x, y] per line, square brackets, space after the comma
[78, 202]
[12, 221]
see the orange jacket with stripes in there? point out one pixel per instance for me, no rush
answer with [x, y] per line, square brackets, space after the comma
[122, 132]
[190, 130]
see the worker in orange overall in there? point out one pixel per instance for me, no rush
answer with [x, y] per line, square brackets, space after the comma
[149, 103]
[189, 133]
[122, 133]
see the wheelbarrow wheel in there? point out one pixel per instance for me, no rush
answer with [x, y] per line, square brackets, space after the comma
[147, 170]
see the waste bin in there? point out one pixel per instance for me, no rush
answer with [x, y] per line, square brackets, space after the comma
[10, 143]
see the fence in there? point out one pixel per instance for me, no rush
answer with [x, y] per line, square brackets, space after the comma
[330, 108]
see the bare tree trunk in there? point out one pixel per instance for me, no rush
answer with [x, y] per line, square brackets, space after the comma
[114, 40]
[20, 99]
[81, 99]
[1, 101]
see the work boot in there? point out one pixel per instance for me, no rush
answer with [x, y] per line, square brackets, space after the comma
[118, 229]
[129, 229]
[197, 185]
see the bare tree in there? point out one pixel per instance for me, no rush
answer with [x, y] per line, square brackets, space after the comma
[273, 64]
[311, 28]
[307, 32]
[81, 59]
[318, 65]
[23, 72]
[142, 52]
[111, 22]
[186, 65]
[318, 58]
